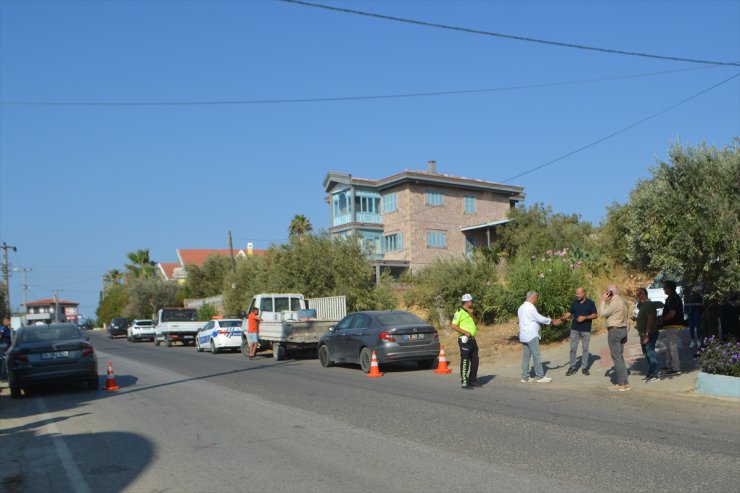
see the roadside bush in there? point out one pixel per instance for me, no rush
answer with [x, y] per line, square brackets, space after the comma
[554, 277]
[438, 288]
[206, 312]
[720, 357]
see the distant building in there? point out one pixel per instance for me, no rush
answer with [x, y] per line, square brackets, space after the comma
[176, 271]
[51, 310]
[408, 220]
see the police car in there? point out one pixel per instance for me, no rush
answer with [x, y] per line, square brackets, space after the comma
[220, 334]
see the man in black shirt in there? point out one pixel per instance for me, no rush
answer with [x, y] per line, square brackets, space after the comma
[583, 311]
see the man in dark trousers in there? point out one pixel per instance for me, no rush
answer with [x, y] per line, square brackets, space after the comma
[647, 327]
[672, 322]
[463, 323]
[582, 311]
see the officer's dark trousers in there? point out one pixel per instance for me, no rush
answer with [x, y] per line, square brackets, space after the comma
[468, 360]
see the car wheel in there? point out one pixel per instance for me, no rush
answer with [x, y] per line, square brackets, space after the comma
[245, 348]
[365, 358]
[278, 352]
[426, 364]
[129, 339]
[197, 346]
[157, 342]
[169, 343]
[324, 357]
[15, 392]
[92, 383]
[213, 348]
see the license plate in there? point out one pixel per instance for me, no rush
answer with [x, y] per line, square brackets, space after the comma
[413, 337]
[187, 337]
[55, 355]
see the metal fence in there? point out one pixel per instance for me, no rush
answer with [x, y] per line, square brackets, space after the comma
[329, 308]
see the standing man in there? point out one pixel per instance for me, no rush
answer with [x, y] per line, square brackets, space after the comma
[253, 328]
[464, 324]
[583, 311]
[529, 336]
[672, 321]
[615, 310]
[647, 327]
[5, 339]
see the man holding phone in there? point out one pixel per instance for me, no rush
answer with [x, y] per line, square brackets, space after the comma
[616, 312]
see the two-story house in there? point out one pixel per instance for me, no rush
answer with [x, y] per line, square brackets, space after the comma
[408, 220]
[51, 310]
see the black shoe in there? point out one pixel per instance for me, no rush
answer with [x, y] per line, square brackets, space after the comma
[467, 387]
[585, 371]
[570, 371]
[474, 384]
[672, 372]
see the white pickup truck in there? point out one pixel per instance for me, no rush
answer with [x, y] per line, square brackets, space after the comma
[176, 325]
[289, 325]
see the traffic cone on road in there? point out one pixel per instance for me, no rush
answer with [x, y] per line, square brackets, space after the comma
[374, 368]
[110, 383]
[442, 363]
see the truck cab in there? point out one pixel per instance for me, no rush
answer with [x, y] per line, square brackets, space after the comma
[278, 307]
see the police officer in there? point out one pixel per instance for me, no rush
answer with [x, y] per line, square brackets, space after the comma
[463, 323]
[5, 339]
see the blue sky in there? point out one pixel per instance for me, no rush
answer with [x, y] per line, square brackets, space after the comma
[83, 185]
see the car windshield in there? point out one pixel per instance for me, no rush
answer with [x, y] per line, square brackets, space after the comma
[39, 334]
[398, 318]
[179, 316]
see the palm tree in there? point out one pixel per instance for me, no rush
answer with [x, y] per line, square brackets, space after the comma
[112, 277]
[141, 265]
[299, 226]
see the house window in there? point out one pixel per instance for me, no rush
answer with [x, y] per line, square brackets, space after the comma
[393, 243]
[390, 202]
[435, 198]
[469, 202]
[367, 207]
[436, 239]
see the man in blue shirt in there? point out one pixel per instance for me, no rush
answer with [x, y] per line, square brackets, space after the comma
[582, 311]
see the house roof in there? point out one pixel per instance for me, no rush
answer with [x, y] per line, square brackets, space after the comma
[168, 269]
[198, 257]
[51, 301]
[333, 179]
[486, 225]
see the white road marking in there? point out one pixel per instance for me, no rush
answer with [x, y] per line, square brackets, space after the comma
[79, 484]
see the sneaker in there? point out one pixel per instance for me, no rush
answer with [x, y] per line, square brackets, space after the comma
[544, 380]
[672, 372]
[585, 371]
[624, 388]
[474, 384]
[527, 380]
[615, 388]
[466, 387]
[570, 371]
[692, 345]
[652, 380]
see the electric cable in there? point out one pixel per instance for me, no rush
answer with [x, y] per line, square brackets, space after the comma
[623, 129]
[507, 36]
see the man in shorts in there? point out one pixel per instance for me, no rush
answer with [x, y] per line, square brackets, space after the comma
[253, 328]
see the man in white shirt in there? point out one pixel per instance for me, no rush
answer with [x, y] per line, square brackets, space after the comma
[529, 336]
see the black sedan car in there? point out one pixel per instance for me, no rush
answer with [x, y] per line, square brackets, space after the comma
[118, 327]
[393, 335]
[50, 353]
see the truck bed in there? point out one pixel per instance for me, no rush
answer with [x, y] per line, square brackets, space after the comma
[295, 332]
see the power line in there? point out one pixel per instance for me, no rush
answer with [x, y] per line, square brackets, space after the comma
[622, 130]
[507, 36]
[352, 98]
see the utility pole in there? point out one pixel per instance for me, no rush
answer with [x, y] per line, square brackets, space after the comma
[25, 288]
[56, 304]
[6, 273]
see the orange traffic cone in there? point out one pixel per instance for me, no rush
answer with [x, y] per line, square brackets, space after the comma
[110, 383]
[442, 364]
[374, 368]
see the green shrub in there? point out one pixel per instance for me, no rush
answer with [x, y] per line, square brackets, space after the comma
[554, 277]
[206, 311]
[720, 357]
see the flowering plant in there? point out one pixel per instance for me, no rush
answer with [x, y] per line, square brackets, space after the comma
[720, 357]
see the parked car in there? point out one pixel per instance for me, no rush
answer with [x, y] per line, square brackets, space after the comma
[140, 330]
[118, 327]
[393, 335]
[220, 334]
[48, 353]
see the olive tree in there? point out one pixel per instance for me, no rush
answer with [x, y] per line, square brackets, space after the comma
[685, 219]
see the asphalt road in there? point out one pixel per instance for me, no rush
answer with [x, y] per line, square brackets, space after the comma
[189, 422]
